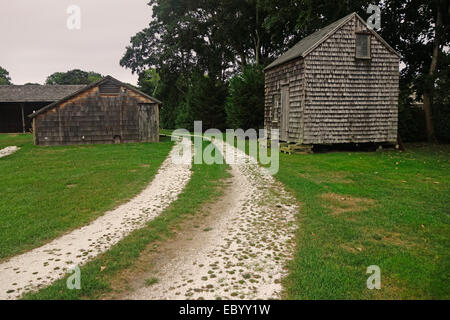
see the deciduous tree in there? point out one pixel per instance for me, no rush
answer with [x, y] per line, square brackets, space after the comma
[5, 79]
[75, 76]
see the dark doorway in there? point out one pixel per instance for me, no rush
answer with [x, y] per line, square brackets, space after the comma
[11, 118]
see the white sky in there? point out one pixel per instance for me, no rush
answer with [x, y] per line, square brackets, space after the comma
[35, 41]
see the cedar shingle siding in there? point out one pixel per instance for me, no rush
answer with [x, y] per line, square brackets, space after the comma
[335, 97]
[106, 112]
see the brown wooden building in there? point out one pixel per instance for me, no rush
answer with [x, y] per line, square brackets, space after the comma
[338, 85]
[19, 101]
[107, 111]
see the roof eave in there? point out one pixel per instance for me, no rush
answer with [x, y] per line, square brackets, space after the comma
[380, 38]
[316, 44]
[269, 67]
[326, 36]
[90, 86]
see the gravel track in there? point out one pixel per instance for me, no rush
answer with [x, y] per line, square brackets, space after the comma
[8, 150]
[244, 251]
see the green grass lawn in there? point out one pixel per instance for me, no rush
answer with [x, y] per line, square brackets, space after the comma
[18, 139]
[47, 191]
[204, 187]
[389, 209]
[357, 209]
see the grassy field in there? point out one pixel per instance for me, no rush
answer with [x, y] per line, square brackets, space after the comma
[47, 191]
[357, 209]
[390, 209]
[97, 276]
[15, 140]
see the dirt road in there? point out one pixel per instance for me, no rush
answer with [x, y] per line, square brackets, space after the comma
[241, 249]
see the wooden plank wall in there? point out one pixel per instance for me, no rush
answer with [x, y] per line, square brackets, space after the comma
[348, 99]
[94, 118]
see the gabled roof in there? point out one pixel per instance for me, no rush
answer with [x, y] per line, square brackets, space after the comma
[36, 93]
[309, 43]
[92, 85]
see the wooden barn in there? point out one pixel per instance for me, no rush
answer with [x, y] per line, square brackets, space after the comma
[338, 85]
[19, 101]
[107, 111]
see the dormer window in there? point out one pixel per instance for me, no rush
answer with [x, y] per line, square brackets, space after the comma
[362, 45]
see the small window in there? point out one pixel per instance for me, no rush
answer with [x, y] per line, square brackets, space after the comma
[362, 46]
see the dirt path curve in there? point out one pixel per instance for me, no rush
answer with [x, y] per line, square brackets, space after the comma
[241, 254]
[42, 266]
[8, 150]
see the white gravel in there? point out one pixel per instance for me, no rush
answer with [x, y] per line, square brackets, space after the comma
[244, 253]
[42, 266]
[7, 151]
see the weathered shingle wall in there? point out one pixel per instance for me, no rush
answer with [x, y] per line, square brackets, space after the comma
[347, 99]
[290, 74]
[334, 97]
[90, 117]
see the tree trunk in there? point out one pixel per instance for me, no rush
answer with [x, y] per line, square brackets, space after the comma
[428, 91]
[243, 61]
[258, 48]
[427, 97]
[258, 39]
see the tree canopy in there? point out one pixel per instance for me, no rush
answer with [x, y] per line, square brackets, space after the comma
[186, 38]
[75, 76]
[5, 79]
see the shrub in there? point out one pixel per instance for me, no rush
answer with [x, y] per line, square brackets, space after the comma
[204, 101]
[245, 103]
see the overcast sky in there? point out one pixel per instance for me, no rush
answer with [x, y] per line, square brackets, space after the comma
[35, 40]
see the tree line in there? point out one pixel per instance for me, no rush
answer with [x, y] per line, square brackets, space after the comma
[75, 76]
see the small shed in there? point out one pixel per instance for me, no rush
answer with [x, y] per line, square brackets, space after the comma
[19, 101]
[107, 111]
[338, 85]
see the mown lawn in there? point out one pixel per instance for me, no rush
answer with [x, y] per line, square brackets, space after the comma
[47, 191]
[357, 209]
[98, 275]
[390, 209]
[18, 139]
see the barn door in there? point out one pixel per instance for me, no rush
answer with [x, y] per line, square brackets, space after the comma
[284, 124]
[147, 122]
